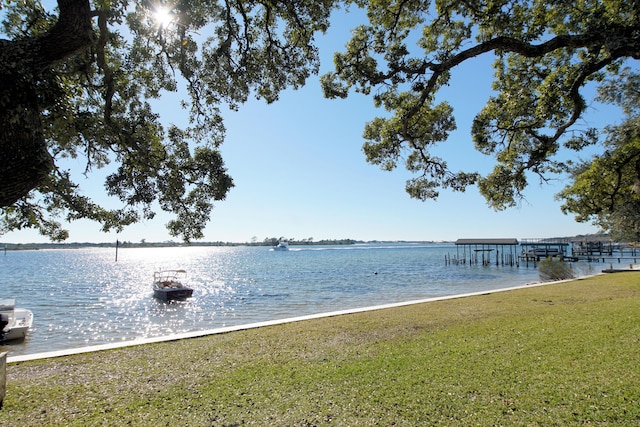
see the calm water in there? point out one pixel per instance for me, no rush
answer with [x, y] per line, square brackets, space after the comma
[83, 297]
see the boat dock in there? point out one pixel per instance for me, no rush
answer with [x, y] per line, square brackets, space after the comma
[533, 250]
[511, 252]
[484, 252]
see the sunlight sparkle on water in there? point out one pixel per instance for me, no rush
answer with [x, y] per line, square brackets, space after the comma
[84, 297]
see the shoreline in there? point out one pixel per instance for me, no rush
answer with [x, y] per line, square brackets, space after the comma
[496, 358]
[85, 298]
[255, 325]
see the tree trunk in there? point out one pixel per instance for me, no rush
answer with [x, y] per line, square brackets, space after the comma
[24, 159]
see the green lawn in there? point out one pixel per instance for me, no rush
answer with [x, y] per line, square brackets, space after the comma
[562, 354]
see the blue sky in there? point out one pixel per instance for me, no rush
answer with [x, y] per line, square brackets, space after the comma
[300, 173]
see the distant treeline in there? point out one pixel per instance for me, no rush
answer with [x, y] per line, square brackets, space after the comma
[271, 241]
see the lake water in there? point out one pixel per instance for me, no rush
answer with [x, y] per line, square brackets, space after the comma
[82, 297]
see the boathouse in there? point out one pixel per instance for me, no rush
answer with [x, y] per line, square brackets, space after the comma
[542, 248]
[486, 251]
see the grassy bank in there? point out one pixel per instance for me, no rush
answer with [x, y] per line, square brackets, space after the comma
[563, 354]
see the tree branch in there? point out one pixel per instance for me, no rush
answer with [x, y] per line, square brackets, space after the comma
[72, 33]
[109, 90]
[508, 44]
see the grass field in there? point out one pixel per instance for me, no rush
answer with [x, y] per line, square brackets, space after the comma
[562, 354]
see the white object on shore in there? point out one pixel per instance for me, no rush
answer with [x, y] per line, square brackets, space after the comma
[15, 321]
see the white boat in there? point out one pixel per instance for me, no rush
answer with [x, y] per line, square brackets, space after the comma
[168, 285]
[282, 246]
[14, 322]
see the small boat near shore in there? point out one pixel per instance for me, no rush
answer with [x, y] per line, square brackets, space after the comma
[14, 322]
[282, 246]
[169, 285]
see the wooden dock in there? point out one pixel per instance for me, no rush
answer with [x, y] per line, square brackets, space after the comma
[485, 252]
[511, 252]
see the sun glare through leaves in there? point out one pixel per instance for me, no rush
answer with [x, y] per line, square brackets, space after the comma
[163, 17]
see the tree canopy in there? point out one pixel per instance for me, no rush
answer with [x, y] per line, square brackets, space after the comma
[75, 82]
[606, 188]
[546, 53]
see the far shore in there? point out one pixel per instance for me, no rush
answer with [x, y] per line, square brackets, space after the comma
[172, 244]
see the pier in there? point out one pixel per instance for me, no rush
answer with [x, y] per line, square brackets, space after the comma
[511, 252]
[485, 252]
[533, 250]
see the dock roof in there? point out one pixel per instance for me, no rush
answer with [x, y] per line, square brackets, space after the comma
[487, 242]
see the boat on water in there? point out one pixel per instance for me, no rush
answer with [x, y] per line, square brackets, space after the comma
[282, 246]
[14, 322]
[169, 285]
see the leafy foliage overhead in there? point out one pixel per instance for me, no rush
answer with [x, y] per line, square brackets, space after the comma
[546, 52]
[75, 83]
[606, 188]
